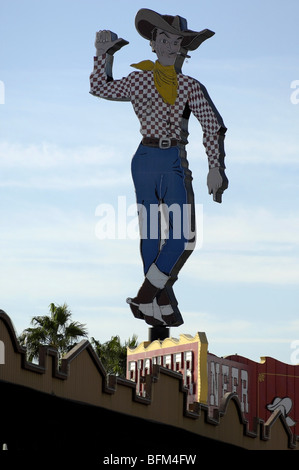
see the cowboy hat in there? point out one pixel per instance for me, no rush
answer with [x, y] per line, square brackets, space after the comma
[284, 405]
[147, 20]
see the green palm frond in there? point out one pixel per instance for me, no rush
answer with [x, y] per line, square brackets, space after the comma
[55, 330]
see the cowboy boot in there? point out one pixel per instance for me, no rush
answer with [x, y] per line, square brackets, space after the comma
[167, 302]
[143, 300]
[152, 314]
[142, 305]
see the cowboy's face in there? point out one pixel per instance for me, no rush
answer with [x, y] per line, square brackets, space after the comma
[167, 47]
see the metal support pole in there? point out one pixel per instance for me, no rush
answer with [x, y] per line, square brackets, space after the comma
[158, 332]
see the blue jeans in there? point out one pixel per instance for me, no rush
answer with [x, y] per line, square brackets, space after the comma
[162, 183]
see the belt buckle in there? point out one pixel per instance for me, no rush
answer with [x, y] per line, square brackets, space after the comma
[164, 142]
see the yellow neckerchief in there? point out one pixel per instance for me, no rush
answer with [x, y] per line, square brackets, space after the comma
[165, 78]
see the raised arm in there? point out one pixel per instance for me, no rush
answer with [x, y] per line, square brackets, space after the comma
[102, 84]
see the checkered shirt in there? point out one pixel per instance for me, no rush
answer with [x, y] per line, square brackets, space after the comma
[157, 118]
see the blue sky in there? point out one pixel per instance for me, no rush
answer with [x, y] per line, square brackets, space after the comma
[63, 153]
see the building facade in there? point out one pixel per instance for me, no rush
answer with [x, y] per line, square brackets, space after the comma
[262, 388]
[194, 417]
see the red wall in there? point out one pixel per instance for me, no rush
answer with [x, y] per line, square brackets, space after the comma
[273, 384]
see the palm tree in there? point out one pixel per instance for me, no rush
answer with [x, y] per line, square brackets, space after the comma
[56, 330]
[113, 354]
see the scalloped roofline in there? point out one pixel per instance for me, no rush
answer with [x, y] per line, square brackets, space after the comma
[145, 346]
[165, 390]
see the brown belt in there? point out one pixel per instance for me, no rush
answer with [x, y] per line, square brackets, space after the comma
[162, 143]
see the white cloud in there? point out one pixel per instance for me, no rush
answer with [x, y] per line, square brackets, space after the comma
[263, 149]
[248, 246]
[236, 268]
[47, 155]
[48, 166]
[252, 229]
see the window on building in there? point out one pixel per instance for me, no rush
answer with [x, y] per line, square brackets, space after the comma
[167, 361]
[147, 366]
[157, 360]
[178, 361]
[132, 369]
[188, 360]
